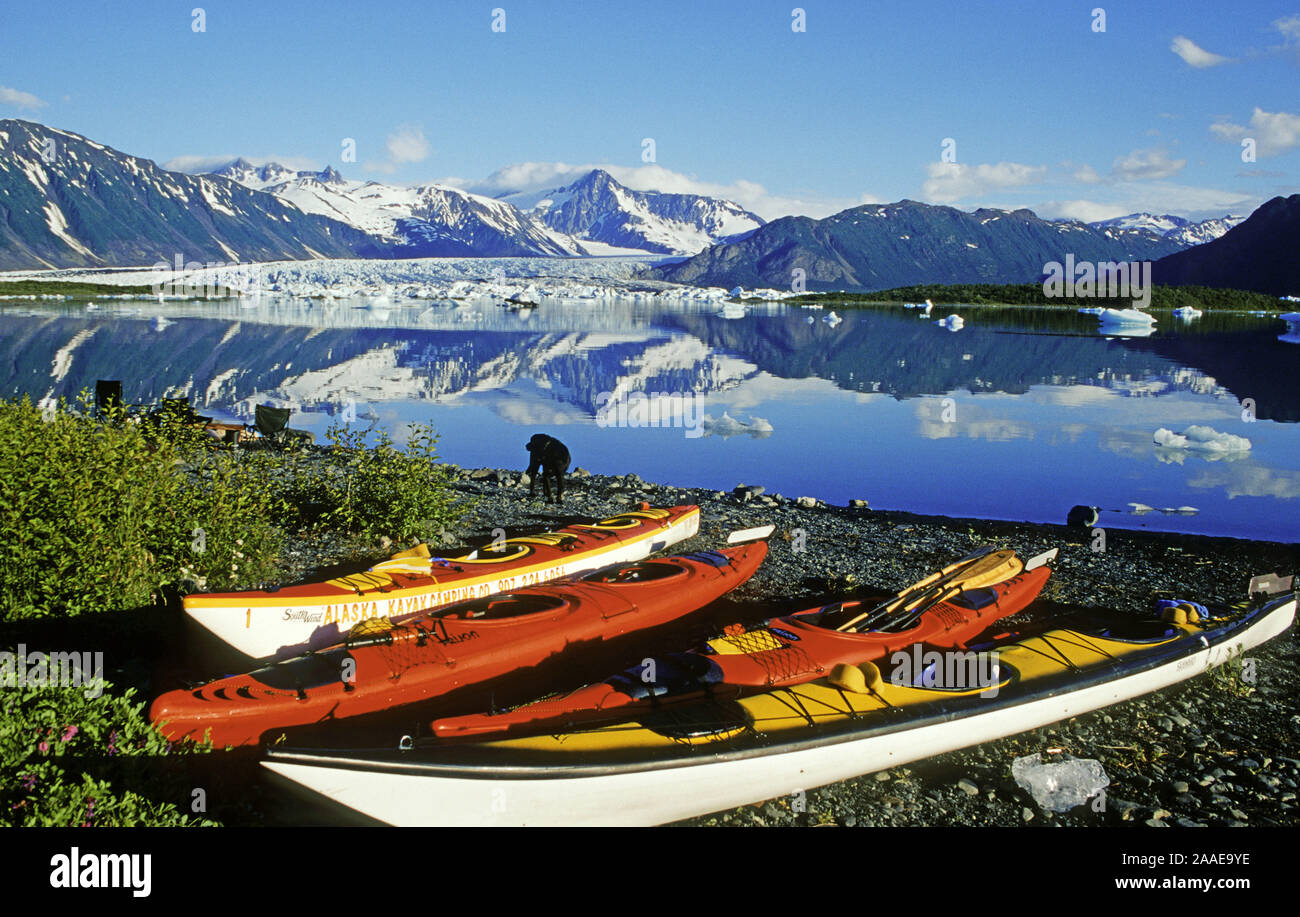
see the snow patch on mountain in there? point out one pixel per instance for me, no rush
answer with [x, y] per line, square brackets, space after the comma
[1168, 226]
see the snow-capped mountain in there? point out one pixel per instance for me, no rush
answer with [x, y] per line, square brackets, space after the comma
[597, 208]
[880, 246]
[425, 221]
[66, 201]
[1170, 227]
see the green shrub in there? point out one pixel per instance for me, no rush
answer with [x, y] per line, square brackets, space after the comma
[230, 509]
[64, 756]
[381, 490]
[98, 516]
[85, 507]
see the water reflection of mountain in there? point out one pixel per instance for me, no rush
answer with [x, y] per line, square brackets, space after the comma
[1250, 363]
[574, 355]
[907, 357]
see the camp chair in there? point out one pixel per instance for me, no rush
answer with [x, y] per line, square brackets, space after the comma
[108, 397]
[273, 424]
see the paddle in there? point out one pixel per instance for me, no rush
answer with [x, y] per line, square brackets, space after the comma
[753, 534]
[938, 575]
[991, 575]
[987, 568]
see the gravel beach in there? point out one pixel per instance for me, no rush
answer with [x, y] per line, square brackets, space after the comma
[1215, 751]
[1212, 751]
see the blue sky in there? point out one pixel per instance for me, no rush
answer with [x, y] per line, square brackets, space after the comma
[1045, 111]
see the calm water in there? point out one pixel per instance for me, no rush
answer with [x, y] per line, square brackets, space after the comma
[1019, 415]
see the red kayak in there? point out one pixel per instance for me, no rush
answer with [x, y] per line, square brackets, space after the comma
[384, 665]
[784, 651]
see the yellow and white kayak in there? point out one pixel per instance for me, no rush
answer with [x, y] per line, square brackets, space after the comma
[730, 751]
[293, 619]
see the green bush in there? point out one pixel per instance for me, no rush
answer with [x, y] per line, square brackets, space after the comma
[381, 490]
[63, 756]
[85, 508]
[98, 516]
[231, 507]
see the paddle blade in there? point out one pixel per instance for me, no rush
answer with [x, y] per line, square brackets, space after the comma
[1045, 558]
[753, 534]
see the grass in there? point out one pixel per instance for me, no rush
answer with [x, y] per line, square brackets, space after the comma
[68, 288]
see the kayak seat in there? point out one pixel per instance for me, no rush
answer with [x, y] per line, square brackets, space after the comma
[303, 673]
[975, 599]
[499, 607]
[676, 673]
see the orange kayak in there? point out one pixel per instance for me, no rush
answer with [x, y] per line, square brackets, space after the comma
[384, 665]
[784, 651]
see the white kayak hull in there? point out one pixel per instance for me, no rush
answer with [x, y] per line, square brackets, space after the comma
[268, 629]
[424, 795]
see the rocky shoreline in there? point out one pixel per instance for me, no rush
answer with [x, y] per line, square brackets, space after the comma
[1212, 751]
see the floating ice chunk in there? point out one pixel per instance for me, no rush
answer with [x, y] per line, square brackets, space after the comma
[1139, 509]
[1187, 313]
[1201, 439]
[1060, 785]
[1125, 317]
[832, 319]
[953, 322]
[726, 425]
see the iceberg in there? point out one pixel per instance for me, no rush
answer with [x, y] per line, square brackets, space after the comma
[1201, 439]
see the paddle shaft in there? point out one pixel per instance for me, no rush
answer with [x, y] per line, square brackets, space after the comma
[906, 618]
[936, 577]
[991, 568]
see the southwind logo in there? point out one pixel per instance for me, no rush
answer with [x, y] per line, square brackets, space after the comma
[53, 670]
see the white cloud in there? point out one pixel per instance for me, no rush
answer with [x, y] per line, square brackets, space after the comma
[1146, 165]
[1194, 55]
[1087, 211]
[1122, 198]
[197, 163]
[1274, 132]
[951, 181]
[19, 98]
[1289, 27]
[528, 177]
[407, 145]
[1087, 175]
